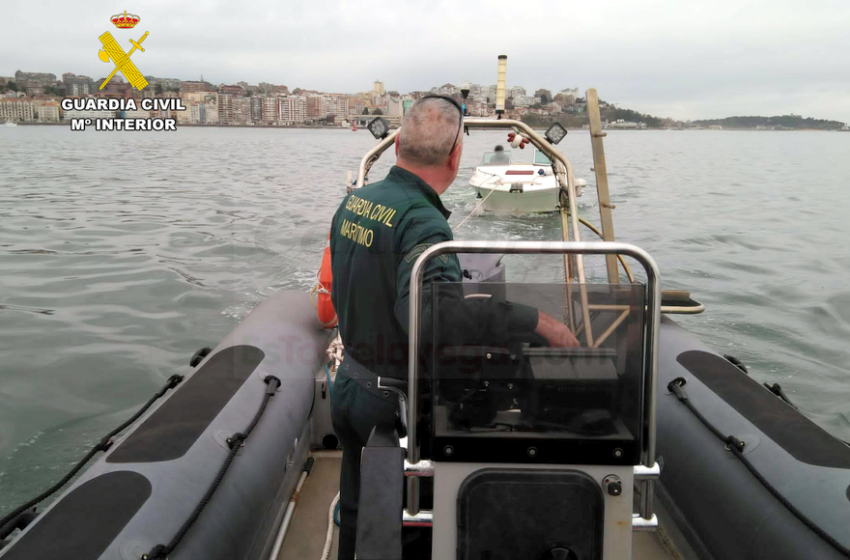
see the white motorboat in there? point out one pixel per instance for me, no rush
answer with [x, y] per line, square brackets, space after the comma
[509, 187]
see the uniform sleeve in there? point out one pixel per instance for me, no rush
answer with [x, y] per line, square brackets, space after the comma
[417, 235]
[332, 243]
[462, 321]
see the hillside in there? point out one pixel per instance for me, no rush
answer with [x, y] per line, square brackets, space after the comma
[612, 113]
[785, 122]
[608, 111]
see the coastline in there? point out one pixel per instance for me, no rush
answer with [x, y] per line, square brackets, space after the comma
[321, 127]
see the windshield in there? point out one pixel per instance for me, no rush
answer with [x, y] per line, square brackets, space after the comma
[496, 158]
[508, 390]
[541, 159]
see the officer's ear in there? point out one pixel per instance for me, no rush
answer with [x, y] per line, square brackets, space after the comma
[454, 157]
[396, 146]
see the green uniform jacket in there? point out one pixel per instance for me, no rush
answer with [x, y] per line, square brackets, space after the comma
[376, 235]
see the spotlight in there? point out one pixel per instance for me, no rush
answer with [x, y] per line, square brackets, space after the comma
[379, 128]
[555, 133]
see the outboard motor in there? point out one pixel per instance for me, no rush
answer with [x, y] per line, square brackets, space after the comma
[534, 451]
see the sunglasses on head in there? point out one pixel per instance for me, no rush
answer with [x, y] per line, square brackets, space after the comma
[459, 110]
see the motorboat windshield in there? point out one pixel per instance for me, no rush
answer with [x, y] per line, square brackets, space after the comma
[541, 159]
[502, 157]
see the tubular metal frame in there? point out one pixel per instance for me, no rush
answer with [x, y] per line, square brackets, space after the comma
[373, 155]
[563, 173]
[650, 342]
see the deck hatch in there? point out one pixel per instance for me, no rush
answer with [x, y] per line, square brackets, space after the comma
[554, 514]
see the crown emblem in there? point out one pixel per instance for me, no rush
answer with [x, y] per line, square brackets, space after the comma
[125, 21]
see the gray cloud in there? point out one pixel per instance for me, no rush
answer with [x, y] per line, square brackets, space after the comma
[667, 57]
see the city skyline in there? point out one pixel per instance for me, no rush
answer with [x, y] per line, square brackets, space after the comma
[29, 96]
[511, 90]
[33, 97]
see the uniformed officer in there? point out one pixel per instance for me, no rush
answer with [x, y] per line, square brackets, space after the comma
[376, 235]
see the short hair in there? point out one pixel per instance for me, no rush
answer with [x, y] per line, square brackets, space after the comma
[499, 148]
[428, 131]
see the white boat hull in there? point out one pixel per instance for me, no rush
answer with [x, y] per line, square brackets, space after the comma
[523, 191]
[503, 201]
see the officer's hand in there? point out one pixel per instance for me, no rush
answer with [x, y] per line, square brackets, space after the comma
[555, 332]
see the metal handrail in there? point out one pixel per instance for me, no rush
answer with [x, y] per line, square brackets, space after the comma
[372, 156]
[650, 343]
[563, 175]
[539, 142]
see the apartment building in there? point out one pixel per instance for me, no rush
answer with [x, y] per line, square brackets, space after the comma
[193, 87]
[340, 106]
[256, 109]
[48, 112]
[16, 110]
[271, 109]
[293, 109]
[77, 86]
[318, 106]
[241, 110]
[225, 108]
[206, 111]
[516, 91]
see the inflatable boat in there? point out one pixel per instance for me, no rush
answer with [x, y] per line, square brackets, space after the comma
[501, 451]
[153, 480]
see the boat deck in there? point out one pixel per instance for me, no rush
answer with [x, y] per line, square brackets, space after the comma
[305, 538]
[308, 530]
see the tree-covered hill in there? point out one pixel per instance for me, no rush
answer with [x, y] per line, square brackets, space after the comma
[791, 122]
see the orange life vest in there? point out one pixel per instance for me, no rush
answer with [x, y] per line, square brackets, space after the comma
[327, 313]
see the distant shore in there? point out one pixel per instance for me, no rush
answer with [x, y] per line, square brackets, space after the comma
[204, 125]
[320, 127]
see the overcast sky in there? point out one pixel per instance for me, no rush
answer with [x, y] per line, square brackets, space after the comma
[675, 58]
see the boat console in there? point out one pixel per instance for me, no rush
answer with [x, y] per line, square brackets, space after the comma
[535, 451]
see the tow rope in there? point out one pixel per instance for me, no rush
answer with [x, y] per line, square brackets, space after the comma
[103, 445]
[736, 446]
[234, 442]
